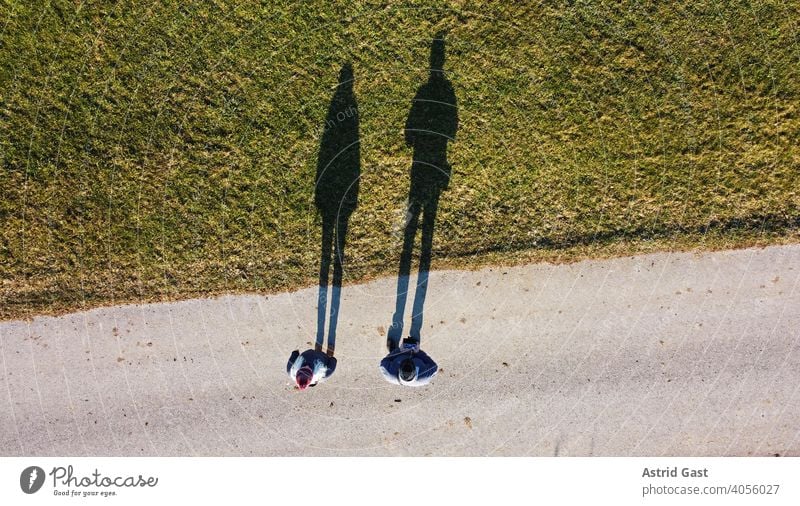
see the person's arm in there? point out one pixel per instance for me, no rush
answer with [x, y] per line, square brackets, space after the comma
[331, 366]
[320, 373]
[389, 369]
[290, 370]
[388, 376]
[427, 368]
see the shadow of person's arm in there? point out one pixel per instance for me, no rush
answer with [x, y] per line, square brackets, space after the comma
[413, 123]
[450, 121]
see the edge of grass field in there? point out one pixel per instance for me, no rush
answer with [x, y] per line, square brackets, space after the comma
[695, 242]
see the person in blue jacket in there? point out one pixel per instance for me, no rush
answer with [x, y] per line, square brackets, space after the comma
[408, 365]
[310, 368]
[431, 125]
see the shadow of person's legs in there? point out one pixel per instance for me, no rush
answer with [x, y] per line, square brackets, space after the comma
[431, 124]
[395, 333]
[428, 220]
[324, 270]
[336, 196]
[336, 291]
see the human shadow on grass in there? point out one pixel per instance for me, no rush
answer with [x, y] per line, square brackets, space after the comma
[432, 123]
[335, 196]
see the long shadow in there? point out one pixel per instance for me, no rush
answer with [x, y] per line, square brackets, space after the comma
[336, 196]
[432, 123]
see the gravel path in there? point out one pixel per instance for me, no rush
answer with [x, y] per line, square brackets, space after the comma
[664, 354]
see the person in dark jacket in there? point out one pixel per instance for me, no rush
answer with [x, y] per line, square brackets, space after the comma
[310, 368]
[335, 196]
[432, 124]
[408, 366]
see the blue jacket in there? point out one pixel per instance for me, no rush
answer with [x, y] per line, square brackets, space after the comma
[426, 367]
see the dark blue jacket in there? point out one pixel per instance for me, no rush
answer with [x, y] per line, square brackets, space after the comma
[426, 367]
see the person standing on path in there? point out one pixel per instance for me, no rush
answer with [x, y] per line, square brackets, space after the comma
[310, 368]
[336, 196]
[432, 124]
[408, 365]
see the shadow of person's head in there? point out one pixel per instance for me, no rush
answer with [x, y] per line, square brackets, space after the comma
[346, 75]
[339, 159]
[437, 53]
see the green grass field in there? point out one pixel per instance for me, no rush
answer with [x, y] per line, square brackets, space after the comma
[167, 151]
